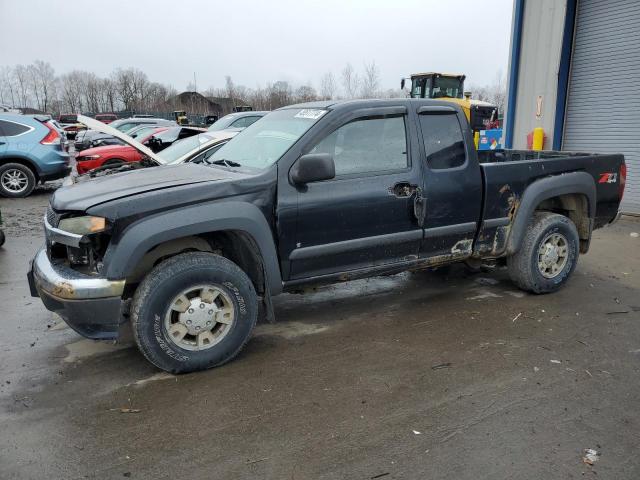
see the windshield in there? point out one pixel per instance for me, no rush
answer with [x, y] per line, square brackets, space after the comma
[184, 146]
[124, 127]
[223, 123]
[141, 132]
[68, 118]
[263, 143]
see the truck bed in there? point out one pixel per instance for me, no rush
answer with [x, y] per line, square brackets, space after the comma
[507, 173]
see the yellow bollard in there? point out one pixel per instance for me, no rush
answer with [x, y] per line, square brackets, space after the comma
[476, 139]
[538, 139]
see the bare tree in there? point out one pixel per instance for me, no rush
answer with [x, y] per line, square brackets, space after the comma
[328, 86]
[494, 93]
[130, 89]
[44, 83]
[230, 89]
[108, 95]
[21, 77]
[370, 81]
[305, 93]
[350, 81]
[7, 91]
[71, 89]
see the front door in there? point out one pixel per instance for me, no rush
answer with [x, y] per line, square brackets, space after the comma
[364, 217]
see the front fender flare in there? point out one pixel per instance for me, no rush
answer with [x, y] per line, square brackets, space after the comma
[543, 189]
[138, 238]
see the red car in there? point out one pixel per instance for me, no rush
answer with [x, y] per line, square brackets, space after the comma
[111, 154]
[106, 117]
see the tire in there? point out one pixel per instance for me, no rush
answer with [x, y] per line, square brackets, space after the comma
[10, 172]
[533, 271]
[2, 237]
[152, 313]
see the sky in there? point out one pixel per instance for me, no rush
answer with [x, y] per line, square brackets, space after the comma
[256, 42]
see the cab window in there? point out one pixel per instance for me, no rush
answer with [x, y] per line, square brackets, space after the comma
[443, 141]
[367, 145]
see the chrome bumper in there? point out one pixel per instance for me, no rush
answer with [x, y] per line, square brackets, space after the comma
[89, 305]
[56, 235]
[62, 282]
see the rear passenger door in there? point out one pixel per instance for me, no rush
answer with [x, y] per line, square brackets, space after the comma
[452, 183]
[363, 217]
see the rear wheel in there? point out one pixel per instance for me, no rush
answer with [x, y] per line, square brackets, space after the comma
[193, 311]
[16, 180]
[548, 255]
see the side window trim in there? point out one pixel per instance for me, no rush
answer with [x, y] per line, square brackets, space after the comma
[372, 113]
[28, 127]
[441, 110]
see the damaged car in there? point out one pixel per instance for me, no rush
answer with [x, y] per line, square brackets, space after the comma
[188, 144]
[311, 194]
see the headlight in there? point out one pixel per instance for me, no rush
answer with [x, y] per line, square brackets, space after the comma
[83, 225]
[88, 157]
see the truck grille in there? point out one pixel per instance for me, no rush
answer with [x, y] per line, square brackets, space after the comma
[52, 217]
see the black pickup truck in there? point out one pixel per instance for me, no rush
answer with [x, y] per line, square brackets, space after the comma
[312, 193]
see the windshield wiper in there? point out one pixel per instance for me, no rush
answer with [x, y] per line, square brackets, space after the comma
[225, 162]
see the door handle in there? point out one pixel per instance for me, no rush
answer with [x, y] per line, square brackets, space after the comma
[403, 190]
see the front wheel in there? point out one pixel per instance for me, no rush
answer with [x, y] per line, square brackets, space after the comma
[193, 311]
[548, 254]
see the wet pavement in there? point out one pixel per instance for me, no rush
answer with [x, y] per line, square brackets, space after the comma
[441, 375]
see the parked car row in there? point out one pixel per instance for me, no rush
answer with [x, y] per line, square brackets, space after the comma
[178, 145]
[116, 155]
[33, 148]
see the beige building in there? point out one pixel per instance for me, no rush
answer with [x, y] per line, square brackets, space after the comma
[575, 71]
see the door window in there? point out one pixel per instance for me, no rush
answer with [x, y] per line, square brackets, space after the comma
[367, 145]
[443, 141]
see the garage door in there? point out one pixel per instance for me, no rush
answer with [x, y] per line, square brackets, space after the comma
[603, 105]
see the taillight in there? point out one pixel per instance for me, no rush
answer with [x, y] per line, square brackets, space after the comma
[51, 137]
[623, 180]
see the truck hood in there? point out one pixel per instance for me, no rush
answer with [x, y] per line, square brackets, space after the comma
[84, 195]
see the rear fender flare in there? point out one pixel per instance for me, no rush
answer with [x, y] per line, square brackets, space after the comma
[543, 189]
[137, 239]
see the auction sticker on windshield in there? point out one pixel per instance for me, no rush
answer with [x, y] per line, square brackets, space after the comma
[310, 114]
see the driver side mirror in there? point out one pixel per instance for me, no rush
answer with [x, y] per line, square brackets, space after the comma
[402, 81]
[313, 167]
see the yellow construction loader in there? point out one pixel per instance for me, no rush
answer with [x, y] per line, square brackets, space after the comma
[180, 116]
[450, 87]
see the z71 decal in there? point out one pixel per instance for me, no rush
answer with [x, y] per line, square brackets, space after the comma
[608, 178]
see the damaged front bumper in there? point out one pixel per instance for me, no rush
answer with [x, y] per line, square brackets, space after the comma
[90, 305]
